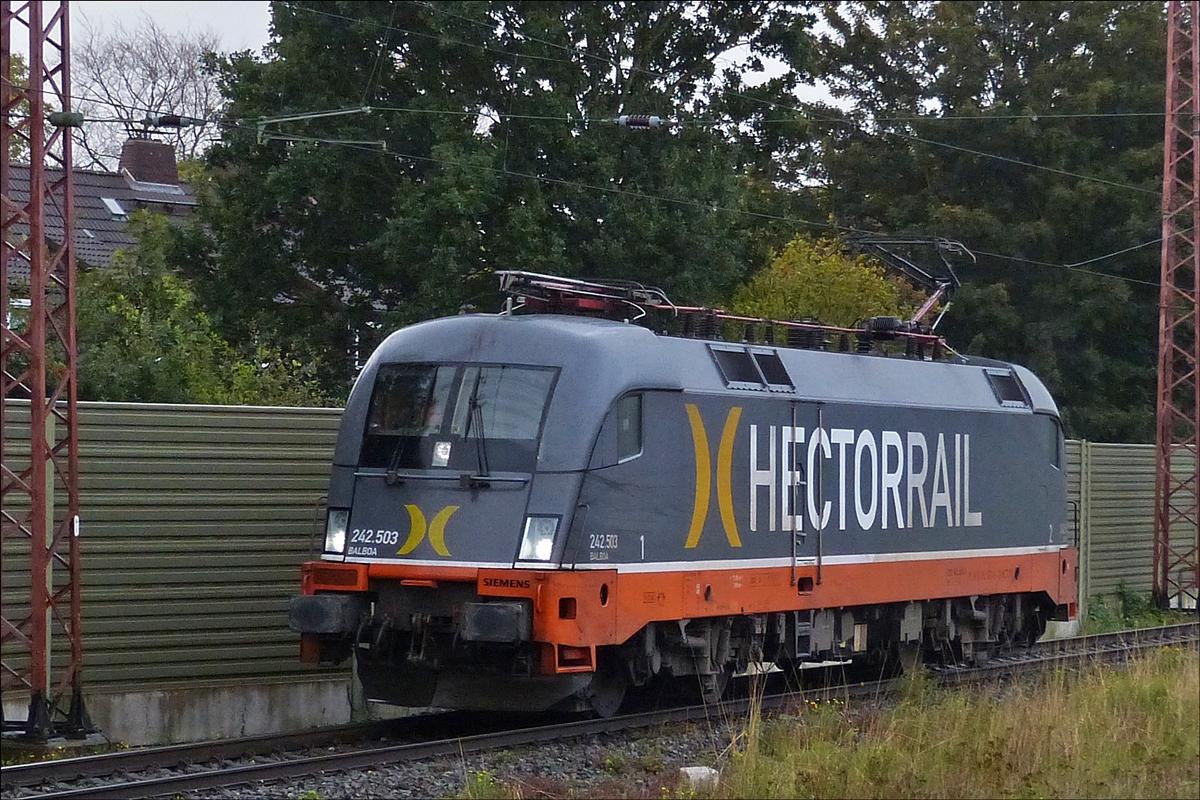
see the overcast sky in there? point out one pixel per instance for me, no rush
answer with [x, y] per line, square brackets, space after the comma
[240, 25]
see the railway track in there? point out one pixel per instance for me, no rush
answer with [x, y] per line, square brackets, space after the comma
[129, 761]
[203, 766]
[1096, 647]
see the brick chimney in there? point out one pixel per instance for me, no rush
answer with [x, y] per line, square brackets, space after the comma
[150, 161]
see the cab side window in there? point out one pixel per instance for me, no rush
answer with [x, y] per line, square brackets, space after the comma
[620, 438]
[629, 427]
[1051, 434]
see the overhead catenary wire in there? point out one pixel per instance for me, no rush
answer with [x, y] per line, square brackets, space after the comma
[988, 116]
[806, 112]
[1075, 267]
[641, 195]
[373, 147]
[1078, 266]
[608, 62]
[376, 68]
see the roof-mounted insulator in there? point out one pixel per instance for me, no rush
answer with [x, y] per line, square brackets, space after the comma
[888, 328]
[639, 121]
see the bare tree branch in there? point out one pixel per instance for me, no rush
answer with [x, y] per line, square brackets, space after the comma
[122, 74]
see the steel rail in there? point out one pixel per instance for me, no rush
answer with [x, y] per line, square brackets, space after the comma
[69, 769]
[1164, 635]
[1067, 650]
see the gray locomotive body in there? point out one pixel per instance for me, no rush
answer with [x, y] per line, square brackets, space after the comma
[536, 510]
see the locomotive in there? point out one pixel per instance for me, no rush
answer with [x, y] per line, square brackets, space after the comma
[534, 511]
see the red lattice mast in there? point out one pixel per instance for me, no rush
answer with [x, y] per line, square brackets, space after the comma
[1177, 478]
[39, 442]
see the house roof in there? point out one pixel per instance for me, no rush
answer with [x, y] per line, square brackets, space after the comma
[103, 201]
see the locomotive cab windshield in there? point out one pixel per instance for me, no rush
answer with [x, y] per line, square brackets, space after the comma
[460, 417]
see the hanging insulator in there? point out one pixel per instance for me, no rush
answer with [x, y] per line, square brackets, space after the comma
[170, 121]
[66, 119]
[639, 121]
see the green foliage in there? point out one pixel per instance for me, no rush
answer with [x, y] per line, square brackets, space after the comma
[18, 149]
[614, 762]
[968, 100]
[818, 279]
[652, 760]
[143, 338]
[191, 171]
[500, 154]
[1127, 610]
[968, 120]
[482, 785]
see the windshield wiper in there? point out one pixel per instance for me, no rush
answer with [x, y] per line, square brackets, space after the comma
[476, 426]
[392, 477]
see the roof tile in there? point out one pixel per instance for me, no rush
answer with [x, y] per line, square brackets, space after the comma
[109, 232]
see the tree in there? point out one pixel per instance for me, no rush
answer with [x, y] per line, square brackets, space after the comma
[1031, 132]
[18, 148]
[126, 74]
[143, 338]
[498, 151]
[817, 279]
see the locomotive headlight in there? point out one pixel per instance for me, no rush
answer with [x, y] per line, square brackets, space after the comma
[335, 530]
[538, 540]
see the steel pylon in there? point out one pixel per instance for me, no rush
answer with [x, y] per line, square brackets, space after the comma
[39, 441]
[1177, 476]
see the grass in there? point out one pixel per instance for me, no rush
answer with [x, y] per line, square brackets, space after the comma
[1097, 731]
[482, 785]
[1118, 733]
[1126, 610]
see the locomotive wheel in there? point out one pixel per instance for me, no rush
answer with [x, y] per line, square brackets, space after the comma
[606, 692]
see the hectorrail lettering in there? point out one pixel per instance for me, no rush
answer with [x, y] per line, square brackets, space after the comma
[873, 479]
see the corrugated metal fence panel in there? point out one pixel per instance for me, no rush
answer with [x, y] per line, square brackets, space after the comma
[1120, 514]
[15, 549]
[194, 522]
[1183, 532]
[15, 555]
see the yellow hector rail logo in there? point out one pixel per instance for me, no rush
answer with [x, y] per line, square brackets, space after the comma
[704, 476]
[437, 530]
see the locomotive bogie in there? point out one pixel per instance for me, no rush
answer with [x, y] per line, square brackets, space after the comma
[542, 511]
